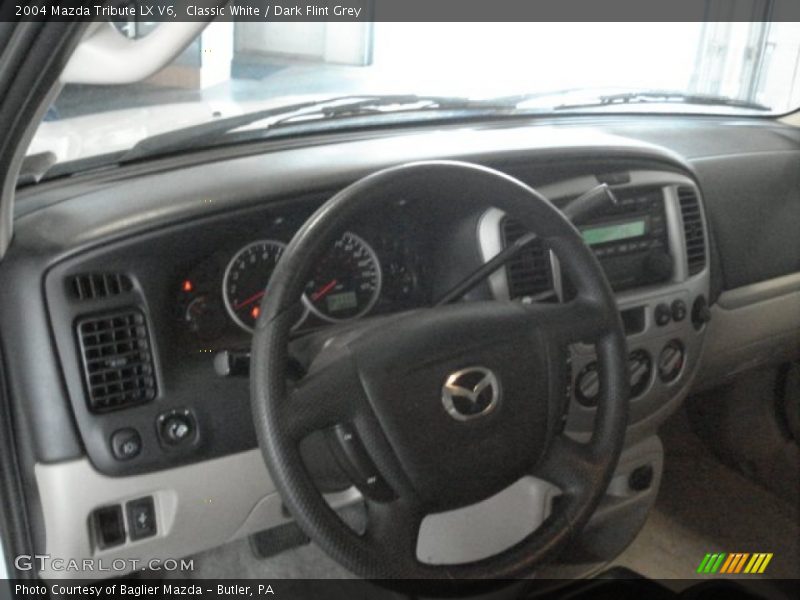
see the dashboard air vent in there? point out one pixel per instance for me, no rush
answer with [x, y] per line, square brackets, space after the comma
[529, 273]
[117, 360]
[94, 286]
[692, 229]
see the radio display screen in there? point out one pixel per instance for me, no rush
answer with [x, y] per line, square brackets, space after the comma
[614, 232]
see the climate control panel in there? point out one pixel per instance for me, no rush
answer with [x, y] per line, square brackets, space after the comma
[640, 369]
[664, 343]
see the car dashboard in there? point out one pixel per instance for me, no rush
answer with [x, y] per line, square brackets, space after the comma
[150, 283]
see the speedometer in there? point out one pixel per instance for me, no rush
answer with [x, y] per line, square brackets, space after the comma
[246, 278]
[347, 281]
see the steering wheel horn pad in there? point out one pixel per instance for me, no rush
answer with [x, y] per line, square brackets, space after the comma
[404, 366]
[452, 404]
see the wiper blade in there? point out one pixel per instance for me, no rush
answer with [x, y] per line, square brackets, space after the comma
[329, 108]
[664, 97]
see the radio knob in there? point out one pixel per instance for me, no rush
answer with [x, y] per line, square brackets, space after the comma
[659, 265]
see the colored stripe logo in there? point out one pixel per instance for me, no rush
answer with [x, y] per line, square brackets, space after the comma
[735, 562]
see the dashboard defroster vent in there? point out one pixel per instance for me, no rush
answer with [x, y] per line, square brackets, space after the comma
[117, 360]
[94, 286]
[692, 229]
[529, 273]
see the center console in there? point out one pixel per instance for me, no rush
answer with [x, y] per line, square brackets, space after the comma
[652, 246]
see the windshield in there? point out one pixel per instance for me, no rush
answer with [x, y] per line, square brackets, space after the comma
[552, 68]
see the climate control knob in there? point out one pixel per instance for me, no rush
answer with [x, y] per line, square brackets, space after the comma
[670, 361]
[640, 368]
[587, 385]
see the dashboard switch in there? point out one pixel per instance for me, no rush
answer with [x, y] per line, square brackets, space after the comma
[126, 443]
[678, 310]
[701, 314]
[229, 363]
[176, 427]
[109, 528]
[663, 314]
[141, 518]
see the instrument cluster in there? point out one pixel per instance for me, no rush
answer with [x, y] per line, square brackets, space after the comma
[219, 298]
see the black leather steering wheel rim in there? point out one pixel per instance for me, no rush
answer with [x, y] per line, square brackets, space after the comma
[283, 416]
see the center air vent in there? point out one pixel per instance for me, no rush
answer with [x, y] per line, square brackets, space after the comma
[529, 273]
[117, 360]
[692, 229]
[94, 286]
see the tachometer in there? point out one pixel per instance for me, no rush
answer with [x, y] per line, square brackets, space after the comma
[347, 281]
[246, 278]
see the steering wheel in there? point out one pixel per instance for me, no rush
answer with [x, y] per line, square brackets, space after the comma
[440, 407]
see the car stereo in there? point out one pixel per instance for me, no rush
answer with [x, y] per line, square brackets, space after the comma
[630, 240]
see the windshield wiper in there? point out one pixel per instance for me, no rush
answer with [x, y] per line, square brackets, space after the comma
[663, 97]
[329, 108]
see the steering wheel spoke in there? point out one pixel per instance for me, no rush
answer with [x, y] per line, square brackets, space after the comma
[394, 526]
[576, 321]
[568, 464]
[323, 398]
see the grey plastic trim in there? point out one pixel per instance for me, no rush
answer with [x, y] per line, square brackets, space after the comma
[483, 529]
[198, 507]
[476, 532]
[105, 56]
[745, 333]
[760, 292]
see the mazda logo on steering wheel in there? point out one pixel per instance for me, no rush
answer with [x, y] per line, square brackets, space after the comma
[470, 393]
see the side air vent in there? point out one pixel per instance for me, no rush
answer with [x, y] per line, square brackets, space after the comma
[94, 286]
[529, 274]
[117, 360]
[692, 229]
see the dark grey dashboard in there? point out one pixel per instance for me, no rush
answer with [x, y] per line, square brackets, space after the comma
[104, 259]
[177, 222]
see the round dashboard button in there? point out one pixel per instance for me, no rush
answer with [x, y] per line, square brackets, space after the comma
[126, 443]
[678, 310]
